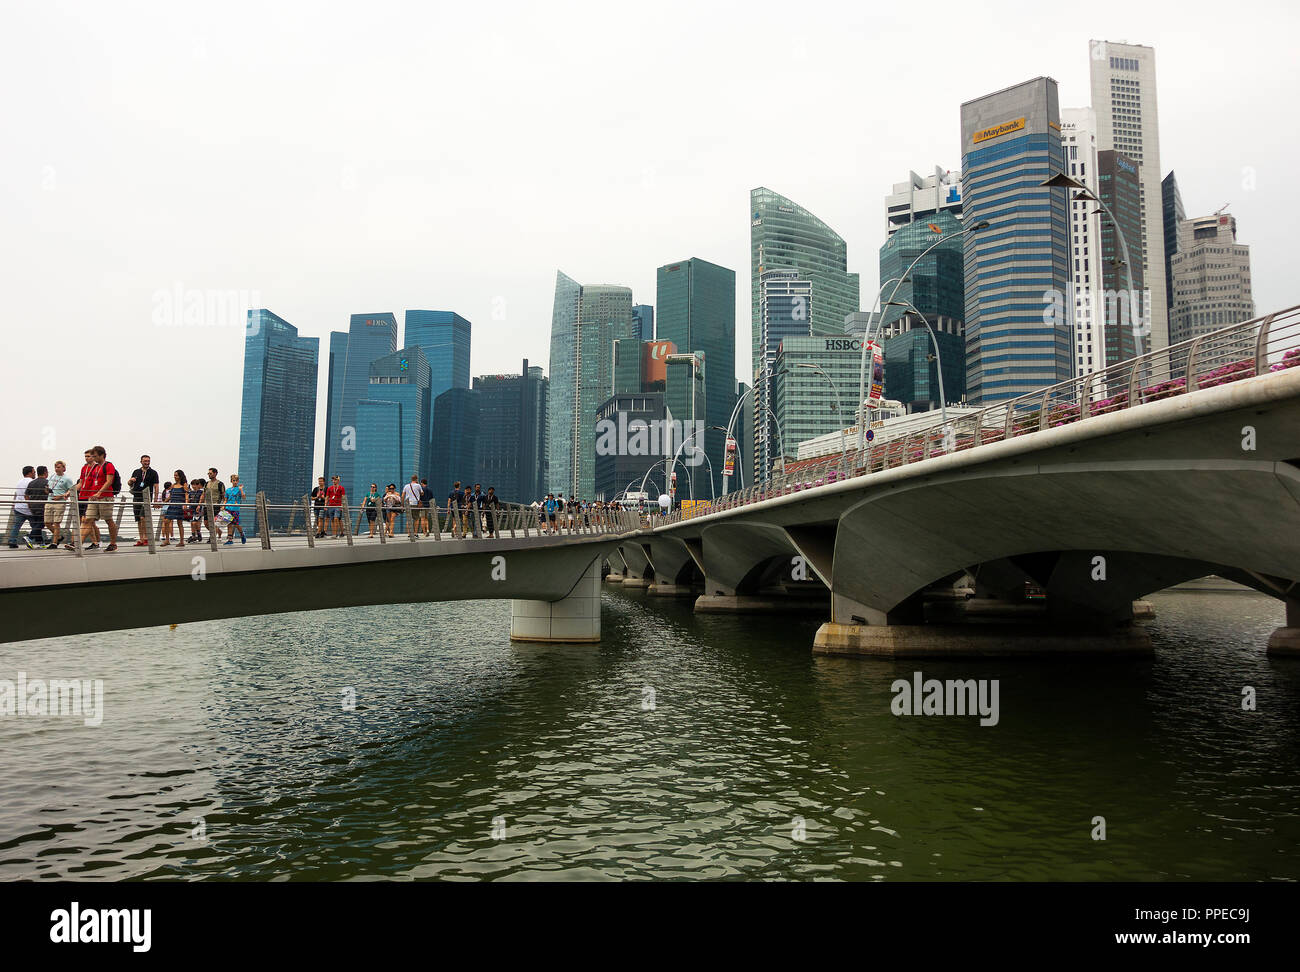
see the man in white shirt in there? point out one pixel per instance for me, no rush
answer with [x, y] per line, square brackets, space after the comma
[23, 512]
[412, 493]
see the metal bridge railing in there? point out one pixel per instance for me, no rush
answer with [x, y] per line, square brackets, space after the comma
[164, 525]
[1251, 348]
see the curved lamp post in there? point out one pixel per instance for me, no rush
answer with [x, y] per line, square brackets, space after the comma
[938, 359]
[898, 282]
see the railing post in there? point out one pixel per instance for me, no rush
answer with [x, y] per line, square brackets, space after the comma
[347, 520]
[117, 520]
[1189, 372]
[1133, 384]
[148, 521]
[410, 520]
[306, 512]
[263, 520]
[433, 513]
[1261, 344]
[382, 512]
[1083, 397]
[514, 517]
[212, 521]
[1043, 413]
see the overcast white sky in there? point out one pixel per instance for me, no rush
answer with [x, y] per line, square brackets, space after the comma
[326, 160]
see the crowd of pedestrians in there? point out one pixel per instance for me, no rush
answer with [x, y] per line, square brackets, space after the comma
[182, 507]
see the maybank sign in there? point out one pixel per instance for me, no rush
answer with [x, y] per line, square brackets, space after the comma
[1006, 128]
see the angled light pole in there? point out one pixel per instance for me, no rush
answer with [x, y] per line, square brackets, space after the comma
[898, 282]
[808, 365]
[1063, 181]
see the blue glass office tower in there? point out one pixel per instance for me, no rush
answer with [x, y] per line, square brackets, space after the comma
[697, 312]
[277, 424]
[334, 400]
[393, 426]
[1016, 270]
[444, 337]
[370, 336]
[455, 441]
[643, 316]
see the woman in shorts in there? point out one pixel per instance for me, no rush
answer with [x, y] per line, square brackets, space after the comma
[174, 514]
[370, 504]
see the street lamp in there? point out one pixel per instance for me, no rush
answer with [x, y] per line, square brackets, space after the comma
[1063, 181]
[898, 282]
[938, 360]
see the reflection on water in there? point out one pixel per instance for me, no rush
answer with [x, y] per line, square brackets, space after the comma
[226, 751]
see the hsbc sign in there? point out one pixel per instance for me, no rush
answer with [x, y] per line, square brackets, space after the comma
[843, 344]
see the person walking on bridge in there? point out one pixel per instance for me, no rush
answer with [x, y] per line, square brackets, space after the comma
[370, 503]
[334, 507]
[412, 493]
[392, 506]
[60, 490]
[492, 507]
[174, 514]
[143, 480]
[455, 499]
[98, 484]
[234, 498]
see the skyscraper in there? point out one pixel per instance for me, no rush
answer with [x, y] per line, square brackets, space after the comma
[454, 450]
[334, 402]
[585, 322]
[697, 312]
[786, 306]
[1172, 205]
[1119, 189]
[1124, 97]
[1079, 142]
[1211, 278]
[393, 428]
[819, 397]
[644, 316]
[512, 434]
[934, 286]
[785, 236]
[370, 336]
[277, 424]
[920, 198]
[444, 337]
[1018, 335]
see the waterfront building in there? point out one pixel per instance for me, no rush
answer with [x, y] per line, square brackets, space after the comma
[1011, 144]
[585, 323]
[1211, 278]
[816, 383]
[637, 456]
[277, 421]
[334, 395]
[453, 453]
[512, 433]
[370, 336]
[643, 315]
[1118, 186]
[1123, 82]
[444, 337]
[393, 427]
[1171, 201]
[697, 312]
[1085, 302]
[786, 306]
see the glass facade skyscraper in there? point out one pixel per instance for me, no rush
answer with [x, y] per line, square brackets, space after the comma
[370, 336]
[512, 434]
[785, 236]
[277, 423]
[697, 312]
[454, 454]
[393, 425]
[812, 402]
[444, 337]
[1011, 144]
[585, 322]
[786, 305]
[644, 316]
[1119, 188]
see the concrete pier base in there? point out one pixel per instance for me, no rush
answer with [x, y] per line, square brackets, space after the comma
[613, 578]
[971, 640]
[572, 620]
[756, 604]
[1284, 642]
[636, 581]
[1143, 610]
[658, 589]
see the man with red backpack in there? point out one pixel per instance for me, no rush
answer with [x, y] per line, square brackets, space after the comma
[99, 483]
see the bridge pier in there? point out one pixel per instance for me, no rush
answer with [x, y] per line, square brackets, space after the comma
[574, 619]
[638, 565]
[1286, 641]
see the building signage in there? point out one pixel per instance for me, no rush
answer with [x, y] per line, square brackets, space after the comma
[843, 344]
[1006, 128]
[1054, 125]
[1125, 165]
[729, 463]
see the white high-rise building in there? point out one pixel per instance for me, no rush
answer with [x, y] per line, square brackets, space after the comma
[1211, 277]
[1124, 98]
[920, 197]
[1079, 142]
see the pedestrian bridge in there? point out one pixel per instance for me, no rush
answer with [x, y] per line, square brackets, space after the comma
[1182, 463]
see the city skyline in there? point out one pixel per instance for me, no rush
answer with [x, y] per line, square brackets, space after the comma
[314, 270]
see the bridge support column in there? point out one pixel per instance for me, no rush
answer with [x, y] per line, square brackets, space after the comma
[572, 620]
[1286, 641]
[660, 589]
[761, 602]
[973, 640]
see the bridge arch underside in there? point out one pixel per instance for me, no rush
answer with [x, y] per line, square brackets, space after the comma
[1152, 524]
[674, 566]
[251, 582]
[742, 559]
